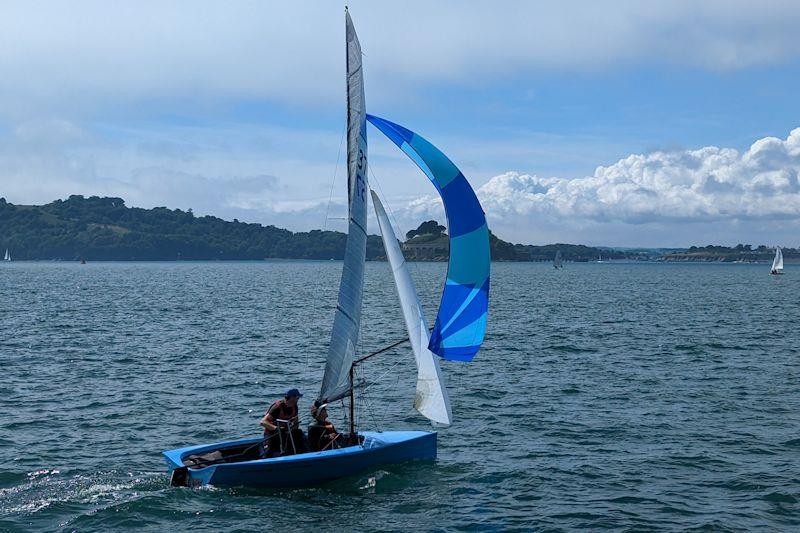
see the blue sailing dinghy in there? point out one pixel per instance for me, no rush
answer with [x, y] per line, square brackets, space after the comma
[458, 330]
[305, 469]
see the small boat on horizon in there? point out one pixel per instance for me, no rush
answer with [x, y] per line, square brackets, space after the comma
[457, 334]
[777, 263]
[558, 262]
[7, 257]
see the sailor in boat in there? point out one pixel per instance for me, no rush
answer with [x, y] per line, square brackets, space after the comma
[281, 423]
[322, 435]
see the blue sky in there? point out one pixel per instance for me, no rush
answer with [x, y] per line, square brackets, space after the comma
[627, 124]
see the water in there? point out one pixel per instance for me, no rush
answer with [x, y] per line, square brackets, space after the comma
[629, 397]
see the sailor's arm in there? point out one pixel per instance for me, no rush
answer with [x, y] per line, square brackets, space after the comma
[268, 423]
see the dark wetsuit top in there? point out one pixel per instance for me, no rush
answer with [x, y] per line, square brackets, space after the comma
[279, 411]
[282, 442]
[320, 435]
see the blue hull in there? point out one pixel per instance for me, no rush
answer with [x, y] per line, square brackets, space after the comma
[307, 469]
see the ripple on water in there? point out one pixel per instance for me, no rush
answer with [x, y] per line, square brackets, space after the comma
[623, 397]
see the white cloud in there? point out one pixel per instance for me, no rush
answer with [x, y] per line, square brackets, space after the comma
[656, 198]
[96, 55]
[706, 184]
[670, 198]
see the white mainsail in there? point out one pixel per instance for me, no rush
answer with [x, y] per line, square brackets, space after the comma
[777, 263]
[347, 320]
[431, 399]
[8, 256]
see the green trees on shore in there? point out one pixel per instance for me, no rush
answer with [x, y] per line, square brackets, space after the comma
[105, 229]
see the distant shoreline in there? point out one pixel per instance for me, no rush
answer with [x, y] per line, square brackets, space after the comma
[105, 229]
[292, 260]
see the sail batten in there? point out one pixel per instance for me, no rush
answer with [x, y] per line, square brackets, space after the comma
[347, 319]
[431, 398]
[460, 324]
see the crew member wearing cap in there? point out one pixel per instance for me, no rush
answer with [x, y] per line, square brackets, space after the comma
[282, 433]
[321, 433]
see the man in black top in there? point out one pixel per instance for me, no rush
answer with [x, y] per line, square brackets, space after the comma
[282, 433]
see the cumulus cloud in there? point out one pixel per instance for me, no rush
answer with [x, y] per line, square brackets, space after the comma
[710, 183]
[718, 187]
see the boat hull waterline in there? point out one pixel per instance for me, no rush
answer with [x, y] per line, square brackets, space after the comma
[302, 470]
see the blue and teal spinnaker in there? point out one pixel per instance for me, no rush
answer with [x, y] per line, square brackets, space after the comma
[461, 321]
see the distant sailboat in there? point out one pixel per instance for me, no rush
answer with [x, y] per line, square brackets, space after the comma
[558, 262]
[7, 256]
[777, 263]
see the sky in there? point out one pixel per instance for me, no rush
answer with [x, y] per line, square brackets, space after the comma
[628, 123]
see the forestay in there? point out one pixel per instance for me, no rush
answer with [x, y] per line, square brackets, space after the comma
[461, 321]
[431, 399]
[347, 320]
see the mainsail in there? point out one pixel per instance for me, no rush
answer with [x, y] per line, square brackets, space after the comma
[777, 263]
[461, 322]
[347, 320]
[431, 399]
[7, 256]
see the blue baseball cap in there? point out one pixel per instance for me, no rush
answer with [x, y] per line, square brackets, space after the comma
[293, 392]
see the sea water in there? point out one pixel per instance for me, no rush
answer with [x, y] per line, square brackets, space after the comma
[606, 396]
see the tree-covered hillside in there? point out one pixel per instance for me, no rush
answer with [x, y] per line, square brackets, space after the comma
[105, 229]
[101, 229]
[740, 253]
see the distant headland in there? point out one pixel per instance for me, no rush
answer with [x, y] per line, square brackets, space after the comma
[105, 229]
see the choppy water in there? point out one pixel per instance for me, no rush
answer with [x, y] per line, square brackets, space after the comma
[643, 396]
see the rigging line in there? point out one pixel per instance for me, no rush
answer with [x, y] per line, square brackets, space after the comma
[386, 410]
[385, 199]
[368, 385]
[335, 170]
[370, 409]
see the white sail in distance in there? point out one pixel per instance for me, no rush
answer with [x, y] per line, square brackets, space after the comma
[347, 320]
[8, 256]
[431, 398]
[777, 263]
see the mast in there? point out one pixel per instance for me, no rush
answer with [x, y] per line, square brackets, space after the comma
[352, 401]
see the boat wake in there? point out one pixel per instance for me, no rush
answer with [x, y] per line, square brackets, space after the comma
[57, 493]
